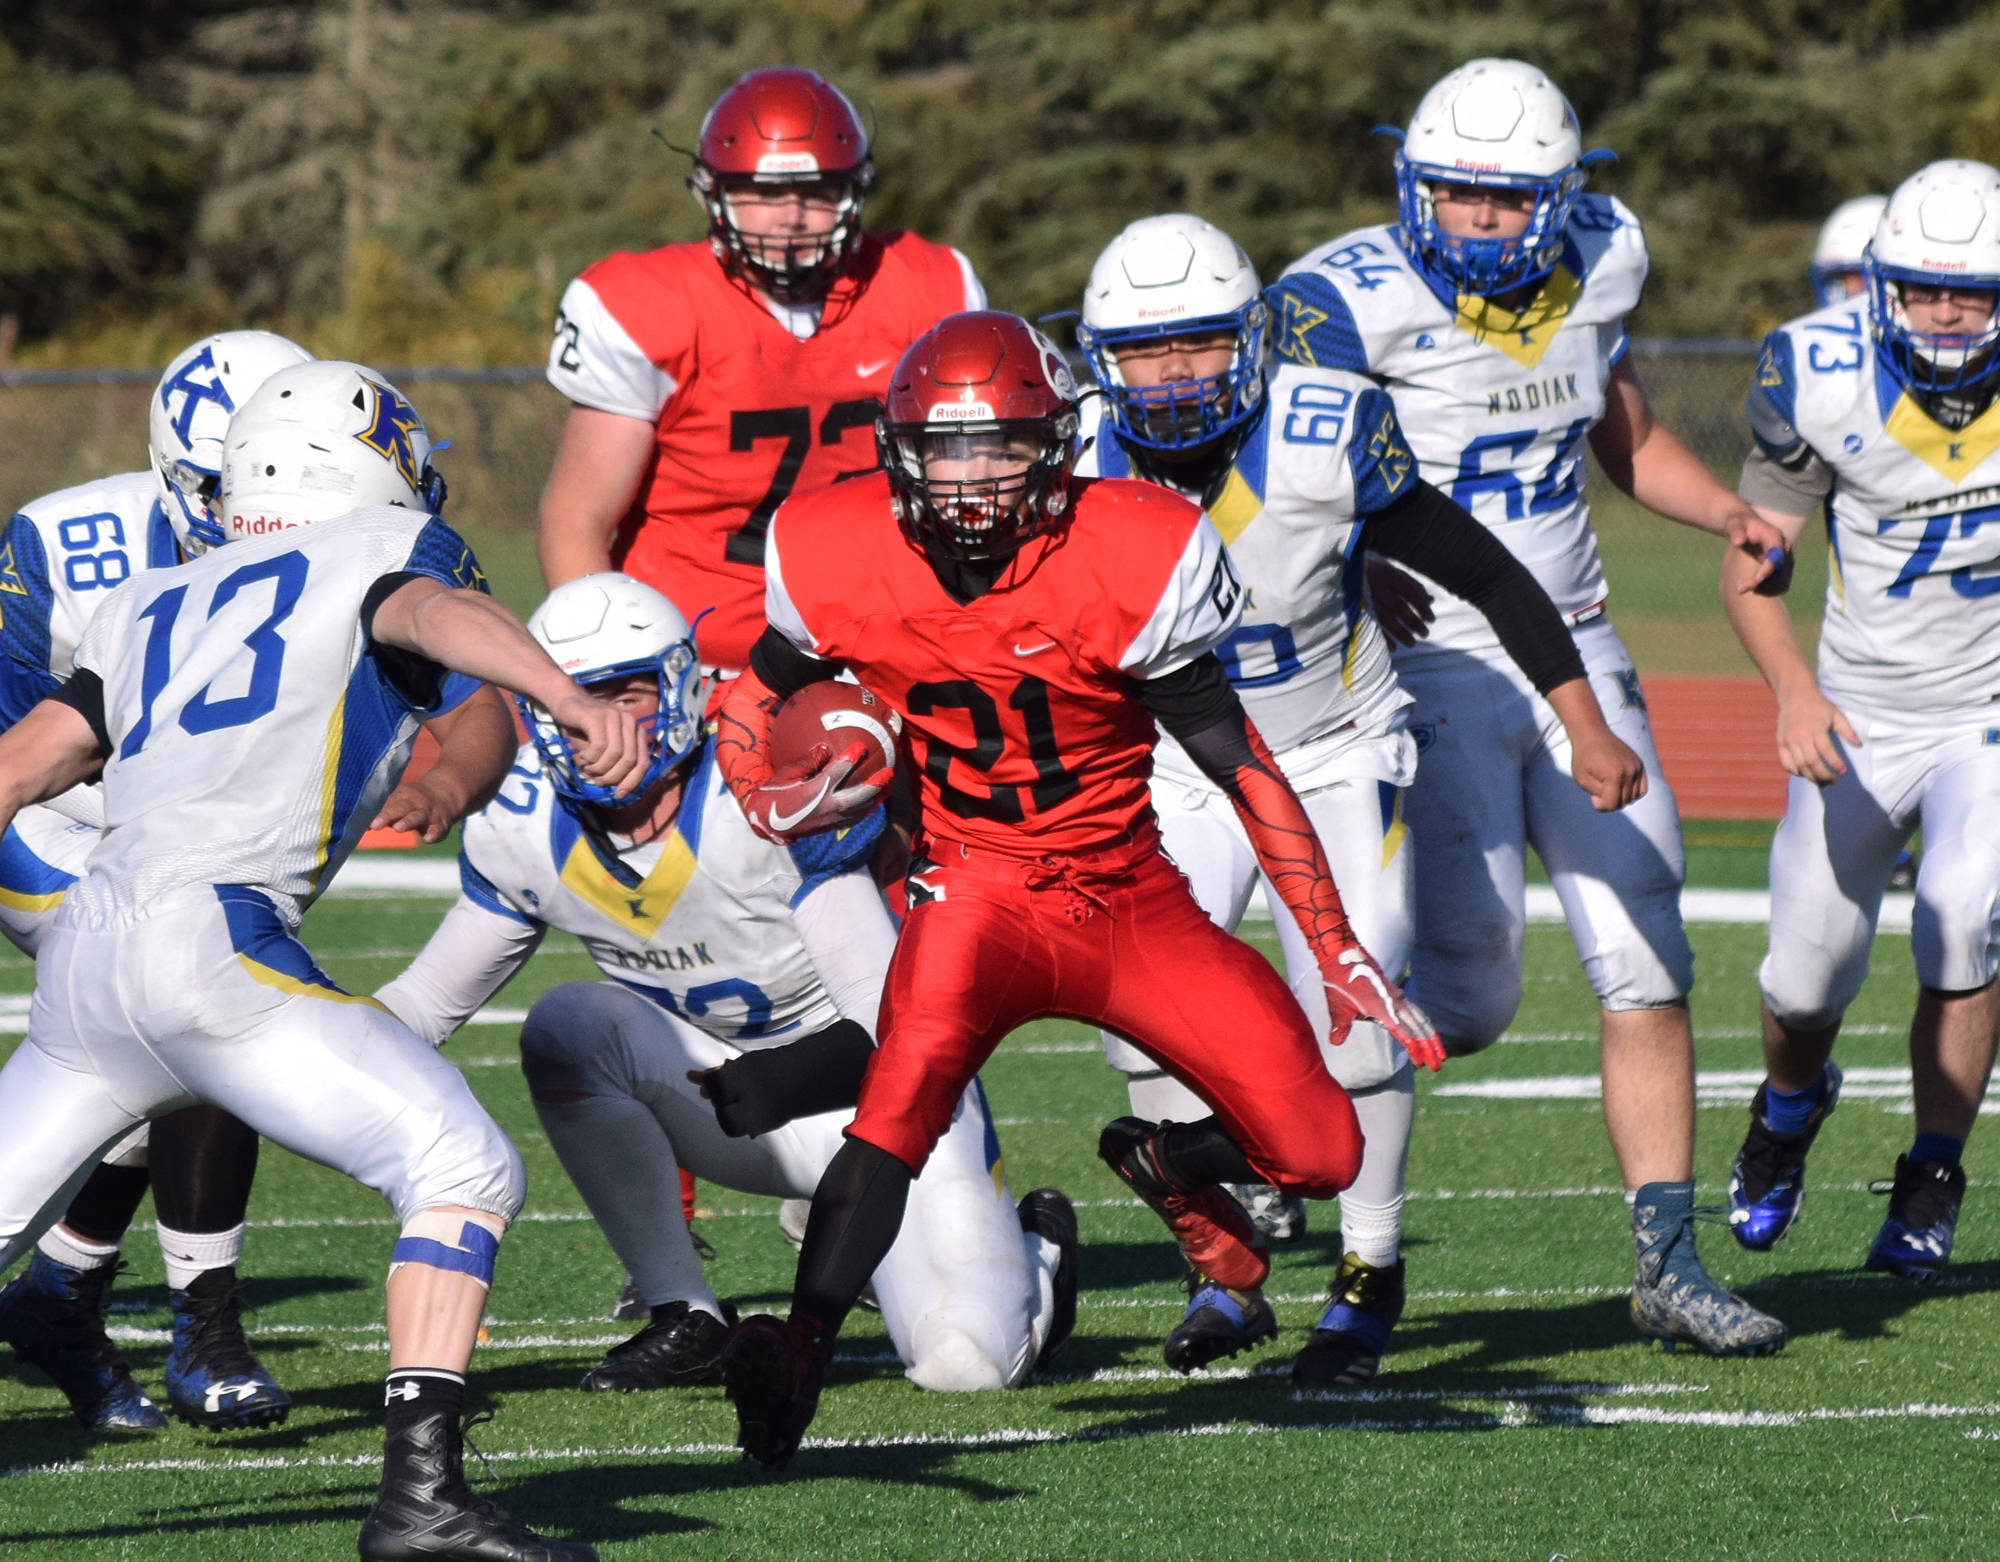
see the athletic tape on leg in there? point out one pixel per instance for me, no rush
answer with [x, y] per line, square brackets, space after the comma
[427, 1240]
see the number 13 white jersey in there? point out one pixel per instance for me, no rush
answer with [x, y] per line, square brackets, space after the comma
[252, 734]
[1496, 402]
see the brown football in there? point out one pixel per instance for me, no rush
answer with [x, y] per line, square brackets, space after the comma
[836, 714]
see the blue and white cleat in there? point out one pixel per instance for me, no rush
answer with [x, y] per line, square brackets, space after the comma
[1767, 1182]
[213, 1380]
[1915, 1240]
[1219, 1321]
[53, 1316]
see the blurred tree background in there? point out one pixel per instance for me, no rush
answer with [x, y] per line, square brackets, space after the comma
[415, 180]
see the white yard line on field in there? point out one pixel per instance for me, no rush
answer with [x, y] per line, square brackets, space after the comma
[1515, 1413]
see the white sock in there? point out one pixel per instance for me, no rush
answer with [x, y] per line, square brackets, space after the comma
[1371, 1210]
[66, 1247]
[191, 1253]
[623, 1164]
[1161, 1098]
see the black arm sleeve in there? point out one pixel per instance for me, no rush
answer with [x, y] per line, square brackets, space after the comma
[784, 668]
[418, 679]
[1190, 699]
[1428, 532]
[84, 694]
[771, 1086]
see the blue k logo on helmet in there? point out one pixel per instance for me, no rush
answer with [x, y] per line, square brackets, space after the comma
[390, 434]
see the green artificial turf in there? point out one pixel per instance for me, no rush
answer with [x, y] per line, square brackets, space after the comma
[1516, 1417]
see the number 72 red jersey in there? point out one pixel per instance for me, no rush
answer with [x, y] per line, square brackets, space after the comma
[1027, 732]
[746, 412]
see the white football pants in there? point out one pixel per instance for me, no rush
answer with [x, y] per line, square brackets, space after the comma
[966, 1295]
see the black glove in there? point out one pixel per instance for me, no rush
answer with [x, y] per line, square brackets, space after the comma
[768, 1088]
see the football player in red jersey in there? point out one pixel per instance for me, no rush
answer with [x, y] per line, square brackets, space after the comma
[709, 381]
[1032, 628]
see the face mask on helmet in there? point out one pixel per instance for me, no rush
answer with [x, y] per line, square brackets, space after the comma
[1939, 234]
[980, 491]
[606, 631]
[189, 415]
[1491, 124]
[1175, 278]
[320, 441]
[783, 152]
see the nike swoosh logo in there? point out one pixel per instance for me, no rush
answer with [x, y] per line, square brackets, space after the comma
[783, 822]
[864, 370]
[1030, 650]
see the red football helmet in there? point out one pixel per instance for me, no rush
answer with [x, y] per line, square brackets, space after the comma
[979, 435]
[785, 129]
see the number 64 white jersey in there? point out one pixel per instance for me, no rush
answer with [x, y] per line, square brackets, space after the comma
[1496, 402]
[252, 730]
[1913, 523]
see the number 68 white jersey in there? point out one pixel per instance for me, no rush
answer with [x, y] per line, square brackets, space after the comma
[1913, 524]
[1496, 402]
[252, 732]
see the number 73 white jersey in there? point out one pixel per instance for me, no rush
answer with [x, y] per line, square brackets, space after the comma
[252, 732]
[1913, 524]
[1496, 402]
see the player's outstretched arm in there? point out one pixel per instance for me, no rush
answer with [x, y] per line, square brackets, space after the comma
[60, 742]
[1644, 457]
[821, 791]
[1428, 532]
[1197, 706]
[476, 747]
[475, 952]
[470, 633]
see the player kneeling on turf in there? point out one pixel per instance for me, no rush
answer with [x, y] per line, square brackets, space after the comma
[250, 712]
[729, 1037]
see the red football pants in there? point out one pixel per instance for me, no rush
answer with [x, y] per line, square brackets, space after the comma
[1113, 938]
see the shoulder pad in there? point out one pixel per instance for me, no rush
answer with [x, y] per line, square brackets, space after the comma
[1311, 324]
[1772, 405]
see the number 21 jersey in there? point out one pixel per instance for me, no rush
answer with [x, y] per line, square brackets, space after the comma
[1022, 705]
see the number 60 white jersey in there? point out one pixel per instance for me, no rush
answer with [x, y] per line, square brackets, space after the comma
[1913, 522]
[1496, 402]
[252, 731]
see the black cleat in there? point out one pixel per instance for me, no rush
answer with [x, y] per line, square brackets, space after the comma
[1214, 1234]
[1219, 1321]
[426, 1511]
[771, 1371]
[681, 1345]
[213, 1379]
[1346, 1345]
[53, 1316]
[1915, 1241]
[1048, 1213]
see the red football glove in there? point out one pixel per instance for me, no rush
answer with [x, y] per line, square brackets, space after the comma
[818, 792]
[1356, 989]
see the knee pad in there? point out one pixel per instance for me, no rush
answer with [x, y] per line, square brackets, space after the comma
[468, 1166]
[950, 1361]
[570, 1039]
[1469, 1014]
[463, 1242]
[1952, 928]
[1368, 1059]
[1806, 987]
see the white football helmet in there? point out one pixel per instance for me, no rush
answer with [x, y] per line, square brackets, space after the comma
[1940, 228]
[1167, 276]
[1492, 122]
[191, 409]
[609, 626]
[317, 441]
[1843, 241]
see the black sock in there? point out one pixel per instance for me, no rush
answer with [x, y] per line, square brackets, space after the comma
[414, 1393]
[203, 1162]
[104, 1205]
[1199, 1155]
[856, 1213]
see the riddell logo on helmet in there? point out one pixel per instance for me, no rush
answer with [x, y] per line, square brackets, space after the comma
[1928, 264]
[1161, 314]
[787, 163]
[259, 525]
[1475, 168]
[961, 412]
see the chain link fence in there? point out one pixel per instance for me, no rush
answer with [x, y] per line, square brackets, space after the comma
[65, 426]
